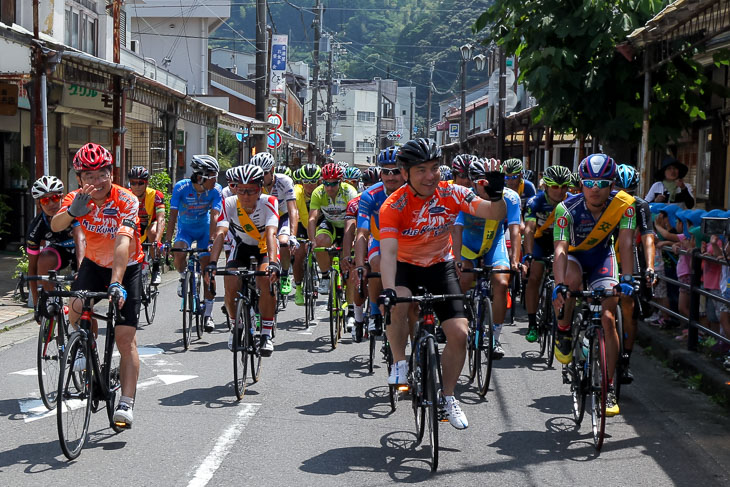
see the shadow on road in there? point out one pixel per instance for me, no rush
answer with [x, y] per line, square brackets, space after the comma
[375, 405]
[318, 345]
[355, 367]
[214, 397]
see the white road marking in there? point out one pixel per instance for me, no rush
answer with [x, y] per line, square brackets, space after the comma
[222, 447]
[164, 379]
[32, 371]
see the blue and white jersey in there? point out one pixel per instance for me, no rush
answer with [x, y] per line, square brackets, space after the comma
[473, 234]
[193, 208]
[282, 190]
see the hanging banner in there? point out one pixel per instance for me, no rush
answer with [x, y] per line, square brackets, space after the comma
[279, 47]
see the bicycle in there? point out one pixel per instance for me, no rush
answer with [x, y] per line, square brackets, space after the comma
[424, 379]
[20, 293]
[149, 291]
[191, 305]
[246, 347]
[336, 297]
[361, 275]
[82, 391]
[310, 284]
[547, 325]
[53, 332]
[587, 372]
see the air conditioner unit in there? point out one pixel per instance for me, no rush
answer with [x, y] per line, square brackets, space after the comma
[134, 46]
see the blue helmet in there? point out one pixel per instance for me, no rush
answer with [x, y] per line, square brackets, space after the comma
[386, 157]
[627, 177]
[353, 173]
[446, 174]
[597, 166]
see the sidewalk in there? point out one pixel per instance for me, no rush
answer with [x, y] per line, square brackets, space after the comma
[713, 379]
[10, 311]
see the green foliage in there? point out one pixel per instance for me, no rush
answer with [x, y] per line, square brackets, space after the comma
[161, 181]
[568, 60]
[227, 148]
[22, 265]
[5, 209]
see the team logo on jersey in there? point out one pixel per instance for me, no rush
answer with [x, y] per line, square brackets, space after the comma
[110, 212]
[437, 210]
[562, 222]
[629, 212]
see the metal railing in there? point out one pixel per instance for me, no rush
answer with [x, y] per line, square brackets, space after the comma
[695, 291]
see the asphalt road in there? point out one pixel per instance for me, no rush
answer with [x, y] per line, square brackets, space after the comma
[318, 418]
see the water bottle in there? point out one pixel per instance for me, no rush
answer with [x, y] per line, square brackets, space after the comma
[585, 344]
[66, 319]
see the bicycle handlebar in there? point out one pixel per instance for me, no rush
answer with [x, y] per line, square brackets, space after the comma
[50, 278]
[191, 251]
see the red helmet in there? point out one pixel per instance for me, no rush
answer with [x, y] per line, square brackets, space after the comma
[91, 157]
[332, 171]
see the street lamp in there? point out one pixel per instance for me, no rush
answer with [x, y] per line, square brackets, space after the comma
[467, 50]
[481, 61]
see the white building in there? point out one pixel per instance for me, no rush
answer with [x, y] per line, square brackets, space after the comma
[177, 39]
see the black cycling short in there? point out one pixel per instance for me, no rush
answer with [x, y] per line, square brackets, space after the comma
[439, 278]
[241, 256]
[335, 234]
[66, 256]
[302, 233]
[95, 278]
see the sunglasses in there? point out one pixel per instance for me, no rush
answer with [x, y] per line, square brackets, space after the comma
[331, 184]
[53, 198]
[247, 192]
[513, 177]
[209, 177]
[597, 183]
[389, 172]
[137, 182]
[561, 186]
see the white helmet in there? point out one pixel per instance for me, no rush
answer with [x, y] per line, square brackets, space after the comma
[204, 163]
[249, 174]
[264, 160]
[45, 185]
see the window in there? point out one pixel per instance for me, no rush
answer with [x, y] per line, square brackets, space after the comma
[339, 145]
[341, 115]
[704, 156]
[365, 116]
[81, 25]
[365, 146]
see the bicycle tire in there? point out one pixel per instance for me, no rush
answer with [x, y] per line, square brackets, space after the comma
[197, 307]
[187, 321]
[150, 309]
[240, 353]
[432, 394]
[619, 370]
[48, 359]
[73, 412]
[472, 345]
[486, 345]
[578, 387]
[253, 345]
[552, 330]
[392, 390]
[599, 387]
[333, 306]
[110, 370]
[371, 352]
[416, 389]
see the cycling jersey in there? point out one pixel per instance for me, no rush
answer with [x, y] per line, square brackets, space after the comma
[643, 217]
[527, 191]
[422, 226]
[194, 208]
[39, 231]
[539, 209]
[153, 201]
[264, 215]
[352, 208]
[368, 216]
[226, 192]
[119, 215]
[302, 203]
[479, 235]
[283, 190]
[333, 211]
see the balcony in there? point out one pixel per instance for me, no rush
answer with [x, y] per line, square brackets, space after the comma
[148, 68]
[387, 124]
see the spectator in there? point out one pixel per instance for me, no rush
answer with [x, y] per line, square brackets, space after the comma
[672, 189]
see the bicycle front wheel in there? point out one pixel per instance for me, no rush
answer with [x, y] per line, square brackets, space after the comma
[577, 369]
[150, 308]
[432, 397]
[197, 308]
[187, 321]
[75, 388]
[599, 387]
[619, 370]
[485, 341]
[48, 357]
[240, 352]
[333, 306]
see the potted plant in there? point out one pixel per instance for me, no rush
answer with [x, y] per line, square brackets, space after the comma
[19, 175]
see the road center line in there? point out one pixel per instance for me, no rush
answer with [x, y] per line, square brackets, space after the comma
[225, 442]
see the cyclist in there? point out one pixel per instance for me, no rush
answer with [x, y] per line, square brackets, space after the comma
[627, 178]
[513, 172]
[539, 219]
[282, 187]
[574, 187]
[353, 176]
[285, 171]
[446, 173]
[109, 216]
[194, 209]
[62, 248]
[477, 239]
[310, 174]
[460, 169]
[151, 201]
[584, 228]
[229, 190]
[415, 251]
[329, 200]
[252, 219]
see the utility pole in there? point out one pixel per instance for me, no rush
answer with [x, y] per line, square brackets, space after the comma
[40, 112]
[315, 73]
[502, 101]
[410, 133]
[428, 101]
[262, 77]
[462, 121]
[119, 99]
[328, 127]
[380, 115]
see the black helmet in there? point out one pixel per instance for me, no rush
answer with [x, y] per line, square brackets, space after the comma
[418, 151]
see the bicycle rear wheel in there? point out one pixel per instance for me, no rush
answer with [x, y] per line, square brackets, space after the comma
[485, 341]
[417, 395]
[48, 357]
[187, 321]
[197, 307]
[333, 306]
[112, 360]
[253, 346]
[599, 387]
[150, 308]
[75, 390]
[542, 321]
[471, 344]
[240, 352]
[371, 349]
[432, 396]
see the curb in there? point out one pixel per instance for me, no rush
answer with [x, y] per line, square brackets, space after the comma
[715, 381]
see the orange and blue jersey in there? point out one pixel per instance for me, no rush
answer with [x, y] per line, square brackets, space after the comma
[368, 215]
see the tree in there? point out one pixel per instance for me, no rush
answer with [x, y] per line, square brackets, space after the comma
[568, 61]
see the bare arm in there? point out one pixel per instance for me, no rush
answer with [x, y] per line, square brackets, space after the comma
[649, 250]
[516, 246]
[80, 243]
[456, 241]
[160, 217]
[61, 221]
[530, 229]
[560, 262]
[626, 247]
[213, 221]
[32, 271]
[361, 246]
[491, 210]
[293, 216]
[172, 223]
[348, 238]
[388, 261]
[271, 243]
[220, 236]
[121, 257]
[312, 224]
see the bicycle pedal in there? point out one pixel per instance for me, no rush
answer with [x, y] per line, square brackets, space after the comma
[443, 417]
[123, 425]
[403, 388]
